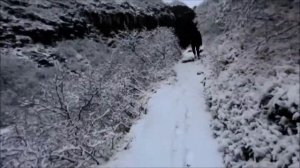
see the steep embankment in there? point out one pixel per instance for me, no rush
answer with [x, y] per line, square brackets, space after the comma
[70, 85]
[252, 51]
[74, 112]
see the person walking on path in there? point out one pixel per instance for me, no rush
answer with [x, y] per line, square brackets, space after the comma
[196, 41]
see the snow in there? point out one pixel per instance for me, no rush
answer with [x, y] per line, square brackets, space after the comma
[189, 3]
[175, 132]
[252, 87]
[188, 56]
[5, 130]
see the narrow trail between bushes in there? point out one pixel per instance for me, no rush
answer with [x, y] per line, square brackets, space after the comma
[175, 132]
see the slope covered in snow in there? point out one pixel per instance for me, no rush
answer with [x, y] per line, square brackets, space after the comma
[72, 112]
[175, 132]
[252, 80]
[73, 73]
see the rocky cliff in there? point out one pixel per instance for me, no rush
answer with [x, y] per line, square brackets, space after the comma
[29, 21]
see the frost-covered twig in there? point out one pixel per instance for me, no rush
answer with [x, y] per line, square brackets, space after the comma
[283, 31]
[52, 157]
[87, 104]
[100, 117]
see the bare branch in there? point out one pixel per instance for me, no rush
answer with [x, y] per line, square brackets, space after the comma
[92, 156]
[104, 114]
[53, 157]
[87, 104]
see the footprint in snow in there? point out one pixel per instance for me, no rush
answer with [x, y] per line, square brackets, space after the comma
[188, 158]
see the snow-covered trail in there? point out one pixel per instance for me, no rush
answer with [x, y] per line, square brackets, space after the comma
[175, 132]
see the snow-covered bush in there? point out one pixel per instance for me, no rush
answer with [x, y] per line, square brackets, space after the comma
[252, 87]
[19, 76]
[76, 116]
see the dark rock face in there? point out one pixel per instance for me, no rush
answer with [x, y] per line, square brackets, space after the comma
[110, 23]
[50, 21]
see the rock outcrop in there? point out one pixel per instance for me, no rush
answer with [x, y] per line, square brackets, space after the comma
[24, 22]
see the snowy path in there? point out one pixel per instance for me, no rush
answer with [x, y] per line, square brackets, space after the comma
[175, 132]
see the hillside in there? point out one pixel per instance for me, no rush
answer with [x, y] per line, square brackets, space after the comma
[90, 83]
[46, 22]
[74, 76]
[252, 89]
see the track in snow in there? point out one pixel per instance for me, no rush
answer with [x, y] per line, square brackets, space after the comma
[175, 132]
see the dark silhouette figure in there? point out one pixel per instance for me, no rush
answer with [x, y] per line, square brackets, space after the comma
[184, 17]
[186, 30]
[196, 41]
